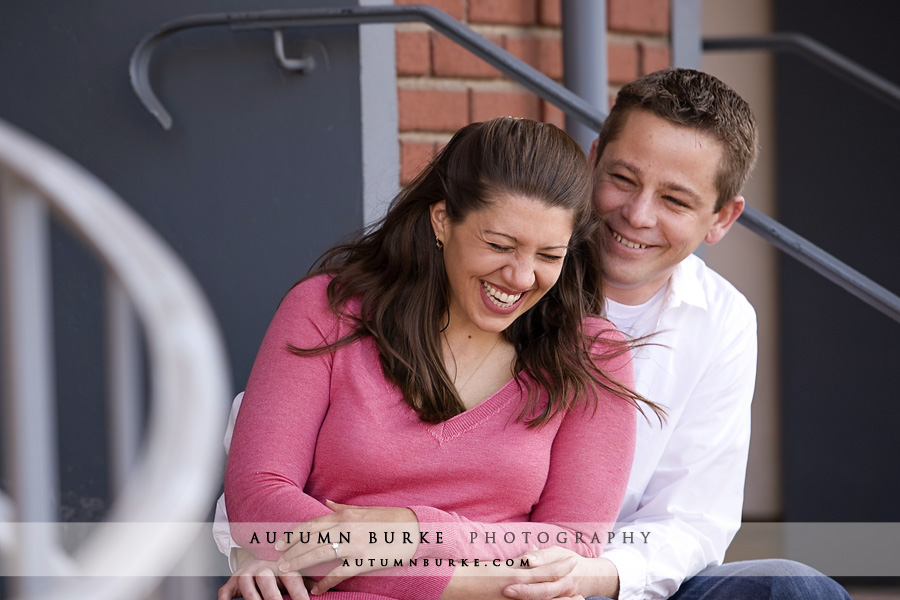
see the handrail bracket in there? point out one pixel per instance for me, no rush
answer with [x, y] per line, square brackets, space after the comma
[301, 65]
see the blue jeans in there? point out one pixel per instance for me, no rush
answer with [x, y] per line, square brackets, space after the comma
[770, 579]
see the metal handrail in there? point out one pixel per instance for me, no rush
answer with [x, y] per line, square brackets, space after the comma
[172, 482]
[817, 53]
[769, 229]
[275, 20]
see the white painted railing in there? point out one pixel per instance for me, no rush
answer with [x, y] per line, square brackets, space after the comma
[170, 483]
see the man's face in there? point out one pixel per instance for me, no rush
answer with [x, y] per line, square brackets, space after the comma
[655, 189]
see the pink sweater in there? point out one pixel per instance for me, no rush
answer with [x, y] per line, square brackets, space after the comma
[332, 427]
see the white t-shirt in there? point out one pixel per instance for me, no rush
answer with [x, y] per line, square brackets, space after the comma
[636, 320]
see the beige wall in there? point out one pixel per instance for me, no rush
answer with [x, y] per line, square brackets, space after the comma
[742, 257]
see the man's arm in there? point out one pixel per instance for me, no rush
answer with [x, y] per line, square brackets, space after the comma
[690, 509]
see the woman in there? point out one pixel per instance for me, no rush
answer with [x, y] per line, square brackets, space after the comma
[442, 379]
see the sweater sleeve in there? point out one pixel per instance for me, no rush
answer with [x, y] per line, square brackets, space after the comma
[275, 437]
[590, 461]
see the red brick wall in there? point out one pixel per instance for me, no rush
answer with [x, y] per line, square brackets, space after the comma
[442, 87]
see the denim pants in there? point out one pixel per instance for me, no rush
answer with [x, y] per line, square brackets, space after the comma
[771, 579]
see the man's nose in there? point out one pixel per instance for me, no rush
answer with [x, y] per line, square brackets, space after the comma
[639, 211]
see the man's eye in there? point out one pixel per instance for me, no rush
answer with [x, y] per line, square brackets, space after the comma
[498, 247]
[675, 201]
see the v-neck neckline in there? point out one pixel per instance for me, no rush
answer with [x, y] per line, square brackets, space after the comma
[470, 419]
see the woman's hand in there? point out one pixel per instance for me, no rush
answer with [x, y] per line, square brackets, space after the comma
[374, 533]
[257, 579]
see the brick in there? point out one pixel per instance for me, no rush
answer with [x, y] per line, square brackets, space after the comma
[640, 16]
[452, 60]
[413, 52]
[506, 12]
[544, 53]
[413, 158]
[654, 58]
[487, 105]
[552, 114]
[432, 110]
[622, 62]
[454, 8]
[550, 13]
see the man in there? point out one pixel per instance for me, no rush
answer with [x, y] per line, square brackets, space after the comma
[669, 166]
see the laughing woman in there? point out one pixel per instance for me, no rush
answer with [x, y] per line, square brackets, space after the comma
[444, 377]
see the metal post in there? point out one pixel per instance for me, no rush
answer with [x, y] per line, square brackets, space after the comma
[123, 384]
[584, 61]
[378, 105]
[30, 423]
[686, 36]
[687, 47]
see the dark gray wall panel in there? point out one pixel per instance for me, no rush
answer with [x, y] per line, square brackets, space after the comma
[259, 175]
[838, 158]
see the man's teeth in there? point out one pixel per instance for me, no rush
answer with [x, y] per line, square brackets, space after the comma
[499, 298]
[628, 243]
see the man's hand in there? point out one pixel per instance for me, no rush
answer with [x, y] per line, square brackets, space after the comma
[478, 583]
[588, 577]
[553, 574]
[257, 580]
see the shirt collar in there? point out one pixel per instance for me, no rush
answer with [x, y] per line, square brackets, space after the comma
[684, 286]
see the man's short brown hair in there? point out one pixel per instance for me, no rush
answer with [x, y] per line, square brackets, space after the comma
[700, 101]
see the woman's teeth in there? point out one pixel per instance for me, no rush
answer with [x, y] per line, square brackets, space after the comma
[499, 298]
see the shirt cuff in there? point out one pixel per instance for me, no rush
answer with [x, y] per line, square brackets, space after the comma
[221, 531]
[632, 568]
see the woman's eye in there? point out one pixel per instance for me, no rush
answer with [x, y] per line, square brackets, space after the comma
[498, 247]
[622, 178]
[552, 257]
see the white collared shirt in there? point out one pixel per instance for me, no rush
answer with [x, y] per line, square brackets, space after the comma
[687, 484]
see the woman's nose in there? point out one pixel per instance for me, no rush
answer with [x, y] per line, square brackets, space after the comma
[519, 273]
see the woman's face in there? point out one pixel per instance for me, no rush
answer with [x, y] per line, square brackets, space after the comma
[501, 259]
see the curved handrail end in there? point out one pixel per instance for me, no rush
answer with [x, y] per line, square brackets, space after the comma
[139, 70]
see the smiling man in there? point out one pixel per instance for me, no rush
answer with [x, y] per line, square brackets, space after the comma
[669, 166]
[655, 185]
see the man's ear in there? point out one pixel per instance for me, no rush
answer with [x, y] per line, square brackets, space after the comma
[725, 218]
[592, 155]
[439, 219]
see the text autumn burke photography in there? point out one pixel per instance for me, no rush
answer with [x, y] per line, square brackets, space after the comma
[539, 538]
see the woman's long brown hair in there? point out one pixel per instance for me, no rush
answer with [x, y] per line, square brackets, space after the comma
[396, 271]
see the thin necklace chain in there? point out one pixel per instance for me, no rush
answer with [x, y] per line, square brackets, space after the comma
[480, 363]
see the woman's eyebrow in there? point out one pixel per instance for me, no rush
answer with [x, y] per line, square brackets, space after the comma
[516, 240]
